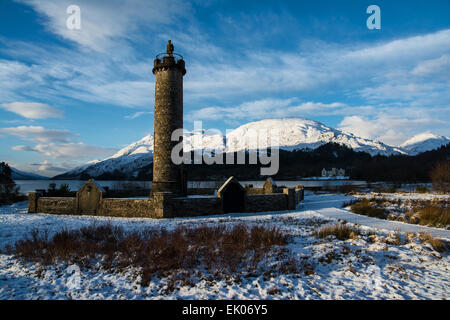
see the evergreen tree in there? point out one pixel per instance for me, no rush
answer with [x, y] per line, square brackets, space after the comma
[9, 192]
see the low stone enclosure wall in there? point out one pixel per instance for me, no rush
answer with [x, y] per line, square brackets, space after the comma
[89, 201]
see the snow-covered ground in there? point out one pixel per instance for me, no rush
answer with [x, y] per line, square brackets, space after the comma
[400, 204]
[367, 267]
[328, 205]
[407, 196]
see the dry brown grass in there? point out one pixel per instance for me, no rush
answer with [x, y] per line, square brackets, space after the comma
[425, 212]
[434, 215]
[410, 236]
[273, 291]
[422, 189]
[339, 230]
[387, 189]
[440, 177]
[156, 251]
[394, 239]
[437, 244]
[369, 208]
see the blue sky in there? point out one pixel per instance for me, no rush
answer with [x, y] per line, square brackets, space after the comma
[71, 96]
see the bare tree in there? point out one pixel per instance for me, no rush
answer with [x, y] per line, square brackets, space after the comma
[440, 176]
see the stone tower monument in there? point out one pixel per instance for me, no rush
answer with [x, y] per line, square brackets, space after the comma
[169, 70]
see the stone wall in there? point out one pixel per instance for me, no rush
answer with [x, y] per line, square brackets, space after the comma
[266, 202]
[251, 190]
[57, 205]
[300, 194]
[165, 205]
[201, 191]
[201, 206]
[122, 207]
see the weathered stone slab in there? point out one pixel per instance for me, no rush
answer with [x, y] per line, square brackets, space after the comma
[89, 198]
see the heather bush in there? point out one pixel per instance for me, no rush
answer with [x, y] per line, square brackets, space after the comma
[339, 230]
[157, 252]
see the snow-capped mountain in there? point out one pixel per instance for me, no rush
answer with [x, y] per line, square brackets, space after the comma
[298, 133]
[127, 161]
[423, 142]
[143, 146]
[293, 134]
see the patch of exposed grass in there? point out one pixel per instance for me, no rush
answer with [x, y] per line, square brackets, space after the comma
[393, 239]
[349, 203]
[367, 208]
[422, 189]
[389, 189]
[435, 212]
[434, 215]
[437, 244]
[338, 230]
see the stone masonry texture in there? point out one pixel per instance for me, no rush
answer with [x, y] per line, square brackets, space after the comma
[168, 117]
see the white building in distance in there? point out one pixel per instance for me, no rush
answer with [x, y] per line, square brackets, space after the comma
[333, 172]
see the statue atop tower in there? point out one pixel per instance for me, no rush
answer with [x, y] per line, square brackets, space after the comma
[170, 48]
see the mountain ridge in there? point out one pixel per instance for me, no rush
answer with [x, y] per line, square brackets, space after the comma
[423, 142]
[294, 134]
[17, 174]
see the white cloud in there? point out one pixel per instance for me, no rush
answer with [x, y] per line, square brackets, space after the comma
[23, 148]
[392, 129]
[415, 48]
[32, 110]
[367, 71]
[104, 24]
[71, 150]
[60, 75]
[276, 108]
[405, 92]
[364, 71]
[433, 66]
[123, 93]
[247, 110]
[409, 73]
[13, 76]
[137, 114]
[50, 168]
[38, 134]
[55, 143]
[47, 167]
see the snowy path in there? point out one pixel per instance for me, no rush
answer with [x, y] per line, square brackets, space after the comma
[328, 205]
[382, 224]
